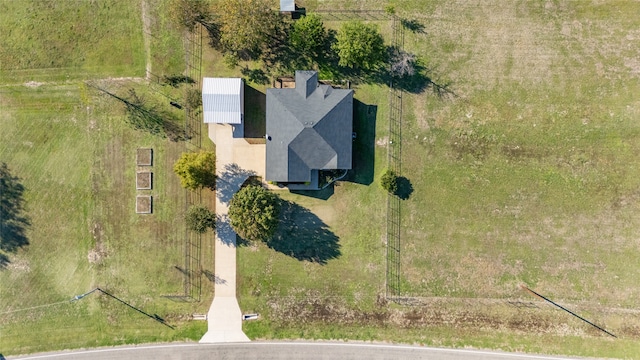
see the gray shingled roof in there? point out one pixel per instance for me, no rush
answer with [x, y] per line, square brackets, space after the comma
[308, 127]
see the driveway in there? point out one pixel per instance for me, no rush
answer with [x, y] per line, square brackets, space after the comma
[236, 160]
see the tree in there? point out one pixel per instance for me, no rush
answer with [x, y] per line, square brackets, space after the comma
[196, 170]
[187, 13]
[308, 39]
[389, 181]
[200, 219]
[360, 46]
[254, 213]
[13, 222]
[247, 27]
[403, 64]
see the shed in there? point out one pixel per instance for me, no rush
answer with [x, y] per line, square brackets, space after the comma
[223, 100]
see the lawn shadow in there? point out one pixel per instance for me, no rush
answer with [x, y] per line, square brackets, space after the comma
[323, 194]
[230, 181]
[364, 127]
[304, 236]
[405, 188]
[255, 118]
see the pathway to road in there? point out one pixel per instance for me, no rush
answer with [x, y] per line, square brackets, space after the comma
[236, 160]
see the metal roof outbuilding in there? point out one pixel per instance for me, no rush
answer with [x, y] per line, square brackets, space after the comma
[223, 100]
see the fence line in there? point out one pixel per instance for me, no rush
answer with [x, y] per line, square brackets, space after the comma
[347, 15]
[394, 162]
[193, 129]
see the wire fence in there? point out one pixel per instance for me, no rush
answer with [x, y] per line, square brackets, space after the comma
[394, 162]
[348, 15]
[192, 271]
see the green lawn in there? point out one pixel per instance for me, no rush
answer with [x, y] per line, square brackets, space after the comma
[78, 167]
[525, 172]
[76, 157]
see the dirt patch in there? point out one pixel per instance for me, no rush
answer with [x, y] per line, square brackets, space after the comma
[517, 316]
[98, 252]
[382, 141]
[33, 84]
[19, 265]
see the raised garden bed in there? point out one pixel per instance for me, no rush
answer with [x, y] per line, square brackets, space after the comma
[144, 180]
[144, 157]
[144, 204]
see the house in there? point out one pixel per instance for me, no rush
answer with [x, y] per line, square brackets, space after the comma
[309, 128]
[223, 103]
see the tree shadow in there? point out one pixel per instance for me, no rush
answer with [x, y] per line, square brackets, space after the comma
[213, 278]
[225, 232]
[255, 115]
[364, 127]
[304, 236]
[230, 180]
[13, 223]
[256, 76]
[4, 261]
[413, 25]
[405, 188]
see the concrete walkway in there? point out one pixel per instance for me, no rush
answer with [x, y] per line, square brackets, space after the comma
[236, 160]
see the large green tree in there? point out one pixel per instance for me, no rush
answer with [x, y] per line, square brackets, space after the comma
[200, 219]
[13, 221]
[254, 213]
[360, 46]
[309, 39]
[248, 27]
[196, 170]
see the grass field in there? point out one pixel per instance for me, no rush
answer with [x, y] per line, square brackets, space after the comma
[524, 173]
[76, 157]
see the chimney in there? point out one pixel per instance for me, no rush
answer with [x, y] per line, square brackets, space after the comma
[306, 82]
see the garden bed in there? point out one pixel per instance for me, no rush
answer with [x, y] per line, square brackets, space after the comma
[144, 204]
[144, 157]
[144, 180]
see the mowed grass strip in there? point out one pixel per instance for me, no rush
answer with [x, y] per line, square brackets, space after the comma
[76, 156]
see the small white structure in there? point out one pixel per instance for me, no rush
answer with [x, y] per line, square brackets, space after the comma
[223, 102]
[287, 5]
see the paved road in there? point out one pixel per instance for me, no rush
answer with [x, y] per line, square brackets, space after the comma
[281, 351]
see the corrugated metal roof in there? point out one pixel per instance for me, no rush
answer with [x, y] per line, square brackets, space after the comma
[222, 100]
[287, 5]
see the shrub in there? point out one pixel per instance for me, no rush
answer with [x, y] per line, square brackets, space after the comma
[200, 219]
[389, 181]
[196, 170]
